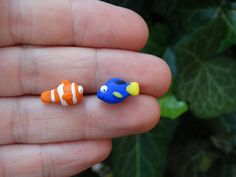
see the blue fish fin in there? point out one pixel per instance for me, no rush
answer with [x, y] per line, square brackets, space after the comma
[117, 95]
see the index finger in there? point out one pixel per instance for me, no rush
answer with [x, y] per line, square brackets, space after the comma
[87, 23]
[30, 70]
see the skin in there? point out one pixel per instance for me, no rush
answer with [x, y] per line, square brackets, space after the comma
[43, 42]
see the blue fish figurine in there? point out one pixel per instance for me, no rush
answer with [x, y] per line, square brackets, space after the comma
[116, 90]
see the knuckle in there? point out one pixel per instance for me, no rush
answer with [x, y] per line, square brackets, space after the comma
[28, 70]
[19, 125]
[47, 163]
[16, 18]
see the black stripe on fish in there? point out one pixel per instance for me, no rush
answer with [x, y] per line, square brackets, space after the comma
[120, 82]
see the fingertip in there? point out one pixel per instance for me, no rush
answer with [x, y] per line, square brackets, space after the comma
[131, 27]
[159, 75]
[155, 117]
[87, 23]
[166, 78]
[139, 31]
[146, 117]
[88, 153]
[103, 150]
[150, 121]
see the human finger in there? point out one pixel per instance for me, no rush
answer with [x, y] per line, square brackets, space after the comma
[33, 70]
[27, 120]
[58, 160]
[87, 23]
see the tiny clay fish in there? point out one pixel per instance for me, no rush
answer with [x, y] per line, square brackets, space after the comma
[116, 90]
[67, 93]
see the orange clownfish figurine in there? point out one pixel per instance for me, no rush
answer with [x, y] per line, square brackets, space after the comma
[67, 93]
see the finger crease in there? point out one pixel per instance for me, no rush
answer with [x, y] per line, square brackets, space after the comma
[20, 127]
[28, 72]
[82, 27]
[87, 123]
[47, 163]
[17, 17]
[2, 166]
[97, 69]
[72, 22]
[10, 4]
[20, 70]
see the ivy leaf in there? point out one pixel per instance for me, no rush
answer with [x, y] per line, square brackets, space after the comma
[212, 89]
[158, 44]
[199, 160]
[199, 17]
[224, 167]
[193, 153]
[171, 107]
[225, 124]
[223, 143]
[143, 155]
[159, 38]
[207, 83]
[169, 57]
[225, 133]
[230, 20]
[193, 160]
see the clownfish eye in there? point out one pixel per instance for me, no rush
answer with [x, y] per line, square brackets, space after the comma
[104, 88]
[80, 89]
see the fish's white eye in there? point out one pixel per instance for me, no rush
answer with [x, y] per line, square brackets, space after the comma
[103, 88]
[80, 89]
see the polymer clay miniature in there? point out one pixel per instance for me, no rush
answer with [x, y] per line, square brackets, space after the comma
[116, 90]
[67, 93]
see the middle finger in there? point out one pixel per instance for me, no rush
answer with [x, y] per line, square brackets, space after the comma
[27, 120]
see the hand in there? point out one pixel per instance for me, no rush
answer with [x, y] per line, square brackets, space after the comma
[43, 42]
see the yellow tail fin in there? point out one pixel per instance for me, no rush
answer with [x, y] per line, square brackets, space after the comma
[133, 88]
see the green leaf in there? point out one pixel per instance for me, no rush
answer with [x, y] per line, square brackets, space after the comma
[194, 160]
[208, 83]
[225, 124]
[178, 12]
[193, 153]
[225, 133]
[199, 17]
[229, 17]
[223, 168]
[159, 38]
[169, 57]
[199, 159]
[223, 143]
[143, 155]
[171, 107]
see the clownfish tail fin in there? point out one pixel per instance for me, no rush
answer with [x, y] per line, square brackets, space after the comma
[46, 97]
